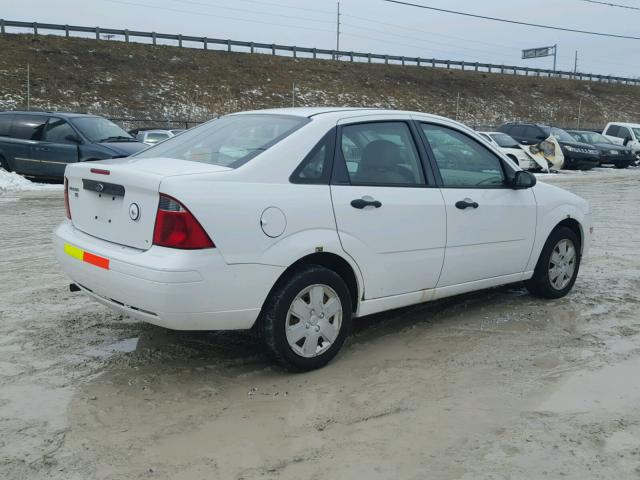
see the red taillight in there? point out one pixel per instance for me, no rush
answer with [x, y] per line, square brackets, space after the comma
[100, 171]
[176, 227]
[66, 198]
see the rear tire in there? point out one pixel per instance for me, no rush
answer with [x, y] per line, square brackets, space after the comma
[306, 318]
[558, 265]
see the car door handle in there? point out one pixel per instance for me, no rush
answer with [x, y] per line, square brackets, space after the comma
[466, 203]
[41, 149]
[360, 203]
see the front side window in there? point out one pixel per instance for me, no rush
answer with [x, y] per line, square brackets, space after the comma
[462, 161]
[613, 130]
[228, 141]
[98, 129]
[381, 153]
[28, 127]
[58, 130]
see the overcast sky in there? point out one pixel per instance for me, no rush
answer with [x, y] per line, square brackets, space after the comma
[376, 26]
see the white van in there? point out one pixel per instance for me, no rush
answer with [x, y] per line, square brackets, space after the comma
[627, 134]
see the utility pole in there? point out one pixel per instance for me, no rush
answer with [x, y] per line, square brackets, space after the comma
[555, 57]
[579, 111]
[293, 94]
[457, 106]
[575, 64]
[337, 33]
[28, 87]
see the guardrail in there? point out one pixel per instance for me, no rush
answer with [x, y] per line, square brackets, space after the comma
[275, 49]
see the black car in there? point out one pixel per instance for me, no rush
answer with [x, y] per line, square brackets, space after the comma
[577, 156]
[38, 144]
[610, 153]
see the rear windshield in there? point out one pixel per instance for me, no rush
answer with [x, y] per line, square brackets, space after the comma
[228, 141]
[505, 141]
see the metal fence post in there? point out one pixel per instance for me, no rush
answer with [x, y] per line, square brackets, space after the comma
[97, 33]
[2, 26]
[273, 49]
[252, 47]
[66, 31]
[433, 62]
[490, 68]
[402, 60]
[369, 57]
[386, 59]
[35, 29]
[351, 56]
[126, 36]
[295, 53]
[229, 45]
[153, 37]
[418, 62]
[448, 64]
[476, 67]
[204, 41]
[462, 65]
[315, 53]
[179, 41]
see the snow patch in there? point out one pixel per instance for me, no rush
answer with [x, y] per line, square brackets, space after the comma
[12, 182]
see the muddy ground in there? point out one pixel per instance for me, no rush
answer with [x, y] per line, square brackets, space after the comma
[493, 385]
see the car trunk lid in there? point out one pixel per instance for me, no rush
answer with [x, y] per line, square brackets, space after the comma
[117, 200]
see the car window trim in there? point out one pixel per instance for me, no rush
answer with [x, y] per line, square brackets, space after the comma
[54, 119]
[340, 174]
[506, 170]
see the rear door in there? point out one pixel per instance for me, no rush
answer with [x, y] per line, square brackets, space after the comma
[490, 226]
[57, 149]
[390, 217]
[26, 132]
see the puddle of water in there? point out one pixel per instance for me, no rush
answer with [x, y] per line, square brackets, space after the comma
[123, 346]
[613, 388]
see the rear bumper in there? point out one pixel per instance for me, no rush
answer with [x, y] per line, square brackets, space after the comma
[177, 289]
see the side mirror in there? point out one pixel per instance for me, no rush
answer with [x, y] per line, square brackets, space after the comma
[523, 180]
[72, 138]
[626, 141]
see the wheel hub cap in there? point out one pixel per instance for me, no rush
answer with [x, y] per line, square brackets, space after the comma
[562, 264]
[314, 320]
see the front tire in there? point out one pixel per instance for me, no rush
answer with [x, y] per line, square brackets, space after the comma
[306, 318]
[558, 265]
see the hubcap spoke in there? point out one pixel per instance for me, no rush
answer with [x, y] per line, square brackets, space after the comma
[310, 346]
[317, 297]
[328, 332]
[562, 264]
[300, 309]
[296, 332]
[331, 308]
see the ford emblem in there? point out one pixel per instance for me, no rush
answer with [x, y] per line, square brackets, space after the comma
[134, 211]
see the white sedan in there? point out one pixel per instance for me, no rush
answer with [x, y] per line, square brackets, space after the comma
[293, 221]
[512, 149]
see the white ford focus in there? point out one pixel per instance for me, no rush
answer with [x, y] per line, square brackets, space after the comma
[294, 221]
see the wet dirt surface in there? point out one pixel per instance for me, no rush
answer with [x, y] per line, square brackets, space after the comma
[491, 385]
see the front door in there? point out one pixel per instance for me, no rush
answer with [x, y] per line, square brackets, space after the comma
[390, 219]
[57, 149]
[490, 226]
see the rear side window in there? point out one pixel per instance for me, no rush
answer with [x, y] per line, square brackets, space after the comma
[228, 141]
[5, 125]
[381, 153]
[316, 167]
[28, 127]
[613, 130]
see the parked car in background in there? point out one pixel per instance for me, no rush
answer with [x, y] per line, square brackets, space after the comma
[151, 137]
[626, 134]
[511, 149]
[293, 221]
[610, 153]
[577, 156]
[42, 144]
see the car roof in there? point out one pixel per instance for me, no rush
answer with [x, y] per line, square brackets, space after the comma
[624, 124]
[156, 130]
[338, 112]
[56, 114]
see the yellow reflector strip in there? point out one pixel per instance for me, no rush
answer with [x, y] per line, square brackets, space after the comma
[74, 252]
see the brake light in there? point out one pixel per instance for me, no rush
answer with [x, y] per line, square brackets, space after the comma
[100, 171]
[67, 210]
[176, 227]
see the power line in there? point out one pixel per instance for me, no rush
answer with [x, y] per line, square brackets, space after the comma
[515, 22]
[191, 12]
[244, 10]
[612, 4]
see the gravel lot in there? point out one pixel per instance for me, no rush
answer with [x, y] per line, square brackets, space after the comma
[491, 385]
